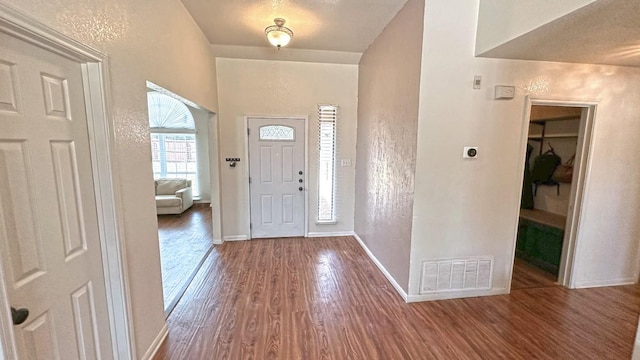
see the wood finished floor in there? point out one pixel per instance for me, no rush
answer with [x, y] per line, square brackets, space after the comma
[527, 276]
[185, 240]
[323, 298]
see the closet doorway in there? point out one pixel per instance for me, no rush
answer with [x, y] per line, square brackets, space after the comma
[555, 166]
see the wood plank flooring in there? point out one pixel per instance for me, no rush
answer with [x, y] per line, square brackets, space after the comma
[323, 298]
[185, 240]
[527, 276]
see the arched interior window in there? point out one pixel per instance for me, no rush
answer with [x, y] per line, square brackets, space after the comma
[173, 140]
[166, 112]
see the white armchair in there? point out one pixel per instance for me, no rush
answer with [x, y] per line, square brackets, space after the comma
[173, 196]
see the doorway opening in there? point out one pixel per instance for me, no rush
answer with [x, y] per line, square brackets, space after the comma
[181, 142]
[277, 169]
[557, 146]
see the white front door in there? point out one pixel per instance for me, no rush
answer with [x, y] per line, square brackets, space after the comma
[277, 179]
[49, 239]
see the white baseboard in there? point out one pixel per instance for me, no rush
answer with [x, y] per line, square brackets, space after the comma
[155, 345]
[456, 294]
[235, 238]
[330, 234]
[218, 241]
[603, 283]
[384, 271]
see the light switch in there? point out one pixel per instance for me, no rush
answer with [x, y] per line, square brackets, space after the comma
[477, 82]
[345, 162]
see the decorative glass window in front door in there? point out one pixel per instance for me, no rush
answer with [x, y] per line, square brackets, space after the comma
[277, 132]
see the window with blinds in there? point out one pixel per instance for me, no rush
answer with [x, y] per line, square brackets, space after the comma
[326, 163]
[173, 140]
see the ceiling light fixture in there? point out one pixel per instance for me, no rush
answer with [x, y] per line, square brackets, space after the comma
[278, 35]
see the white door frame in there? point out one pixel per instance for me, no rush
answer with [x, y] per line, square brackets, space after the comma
[577, 199]
[214, 174]
[304, 118]
[94, 65]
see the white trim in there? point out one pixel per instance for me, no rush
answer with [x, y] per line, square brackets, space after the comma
[330, 234]
[236, 238]
[7, 339]
[109, 217]
[384, 271]
[446, 295]
[155, 130]
[218, 241]
[578, 198]
[306, 175]
[604, 283]
[247, 175]
[155, 345]
[214, 179]
[95, 70]
[333, 222]
[162, 90]
[306, 164]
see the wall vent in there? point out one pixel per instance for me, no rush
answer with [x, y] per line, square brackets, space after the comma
[473, 273]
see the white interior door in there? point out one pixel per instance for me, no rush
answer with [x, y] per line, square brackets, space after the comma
[49, 239]
[277, 179]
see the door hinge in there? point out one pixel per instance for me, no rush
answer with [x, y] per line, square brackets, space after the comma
[250, 226]
[249, 179]
[248, 131]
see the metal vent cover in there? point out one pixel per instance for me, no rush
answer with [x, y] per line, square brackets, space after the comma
[472, 273]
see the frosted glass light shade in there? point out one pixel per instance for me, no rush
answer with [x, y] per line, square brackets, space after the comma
[277, 34]
[278, 38]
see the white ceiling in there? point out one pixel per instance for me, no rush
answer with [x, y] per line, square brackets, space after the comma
[605, 32]
[334, 25]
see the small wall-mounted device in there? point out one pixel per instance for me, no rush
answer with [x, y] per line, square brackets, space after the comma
[232, 161]
[470, 152]
[477, 82]
[505, 92]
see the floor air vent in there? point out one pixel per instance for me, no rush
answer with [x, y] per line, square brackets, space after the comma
[456, 274]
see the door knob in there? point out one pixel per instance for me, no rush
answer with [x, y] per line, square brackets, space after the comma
[300, 172]
[300, 181]
[19, 316]
[300, 188]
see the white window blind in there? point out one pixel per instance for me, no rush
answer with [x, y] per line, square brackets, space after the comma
[327, 162]
[173, 140]
[174, 156]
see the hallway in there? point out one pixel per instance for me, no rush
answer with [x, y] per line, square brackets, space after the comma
[299, 298]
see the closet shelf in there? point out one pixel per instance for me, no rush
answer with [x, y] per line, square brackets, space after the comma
[553, 136]
[544, 218]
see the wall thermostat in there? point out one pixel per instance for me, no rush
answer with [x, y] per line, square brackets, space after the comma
[470, 152]
[505, 92]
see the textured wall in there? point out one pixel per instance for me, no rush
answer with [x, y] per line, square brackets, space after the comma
[386, 149]
[145, 40]
[285, 88]
[503, 20]
[470, 208]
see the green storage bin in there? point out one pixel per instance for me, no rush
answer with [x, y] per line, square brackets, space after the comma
[540, 245]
